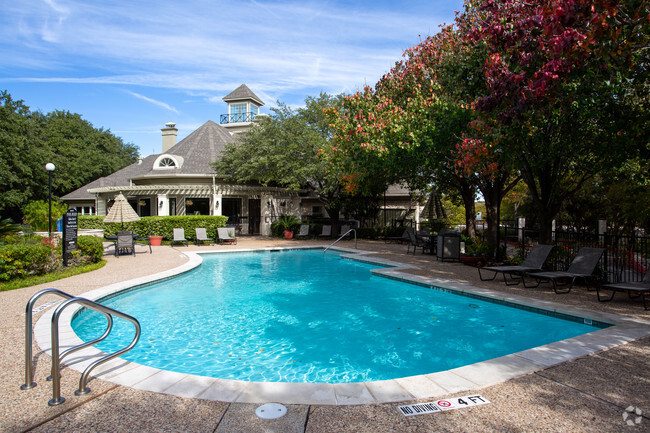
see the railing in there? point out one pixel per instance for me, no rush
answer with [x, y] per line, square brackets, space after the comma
[341, 237]
[237, 118]
[626, 258]
[56, 358]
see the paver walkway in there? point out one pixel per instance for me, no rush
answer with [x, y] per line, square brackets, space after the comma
[589, 394]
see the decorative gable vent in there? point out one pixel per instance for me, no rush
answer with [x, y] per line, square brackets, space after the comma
[168, 162]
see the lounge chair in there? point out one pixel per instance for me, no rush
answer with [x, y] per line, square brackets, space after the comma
[641, 289]
[124, 244]
[304, 231]
[417, 241]
[179, 236]
[201, 236]
[326, 232]
[582, 267]
[533, 262]
[227, 235]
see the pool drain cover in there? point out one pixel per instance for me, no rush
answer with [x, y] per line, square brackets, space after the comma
[271, 411]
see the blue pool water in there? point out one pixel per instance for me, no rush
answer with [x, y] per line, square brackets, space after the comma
[301, 316]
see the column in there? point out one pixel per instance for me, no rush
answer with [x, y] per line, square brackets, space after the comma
[217, 204]
[162, 204]
[265, 225]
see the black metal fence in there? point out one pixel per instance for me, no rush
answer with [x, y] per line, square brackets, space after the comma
[626, 258]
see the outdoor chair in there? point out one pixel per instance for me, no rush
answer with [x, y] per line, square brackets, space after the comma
[227, 235]
[179, 236]
[201, 235]
[326, 232]
[146, 241]
[304, 231]
[124, 244]
[582, 267]
[416, 242]
[533, 262]
[639, 289]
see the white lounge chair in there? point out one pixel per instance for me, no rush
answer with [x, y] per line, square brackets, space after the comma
[179, 236]
[227, 235]
[201, 235]
[304, 231]
[326, 232]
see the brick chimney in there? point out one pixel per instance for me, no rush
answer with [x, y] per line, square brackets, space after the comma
[169, 134]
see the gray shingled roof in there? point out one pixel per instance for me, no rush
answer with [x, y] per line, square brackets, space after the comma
[242, 93]
[198, 150]
[119, 178]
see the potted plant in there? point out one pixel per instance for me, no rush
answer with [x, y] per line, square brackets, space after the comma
[476, 253]
[155, 241]
[286, 224]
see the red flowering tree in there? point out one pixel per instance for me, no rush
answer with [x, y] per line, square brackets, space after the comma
[567, 89]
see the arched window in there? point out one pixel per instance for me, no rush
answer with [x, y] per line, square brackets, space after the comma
[166, 163]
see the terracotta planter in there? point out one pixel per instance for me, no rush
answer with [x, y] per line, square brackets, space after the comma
[288, 235]
[155, 240]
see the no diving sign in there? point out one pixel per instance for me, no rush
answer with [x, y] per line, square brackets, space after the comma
[441, 405]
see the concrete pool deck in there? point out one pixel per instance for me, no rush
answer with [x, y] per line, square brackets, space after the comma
[530, 392]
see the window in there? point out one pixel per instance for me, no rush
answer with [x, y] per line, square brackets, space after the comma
[238, 112]
[197, 206]
[172, 206]
[166, 163]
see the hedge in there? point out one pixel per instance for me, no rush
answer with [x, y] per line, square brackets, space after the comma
[157, 225]
[23, 259]
[92, 247]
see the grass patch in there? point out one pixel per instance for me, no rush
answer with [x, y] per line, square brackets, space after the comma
[42, 279]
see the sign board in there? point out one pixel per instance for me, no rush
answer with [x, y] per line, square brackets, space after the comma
[442, 405]
[70, 225]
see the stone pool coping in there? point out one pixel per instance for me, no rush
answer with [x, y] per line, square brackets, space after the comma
[466, 378]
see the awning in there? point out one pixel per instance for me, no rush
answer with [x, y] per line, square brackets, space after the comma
[193, 190]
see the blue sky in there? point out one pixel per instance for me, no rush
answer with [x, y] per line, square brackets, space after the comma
[132, 66]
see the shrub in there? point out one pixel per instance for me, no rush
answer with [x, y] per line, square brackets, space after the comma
[24, 259]
[36, 213]
[285, 223]
[371, 232]
[91, 247]
[158, 225]
[8, 228]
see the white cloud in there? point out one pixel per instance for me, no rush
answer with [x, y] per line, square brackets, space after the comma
[209, 45]
[153, 101]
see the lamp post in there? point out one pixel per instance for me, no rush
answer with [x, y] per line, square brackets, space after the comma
[50, 168]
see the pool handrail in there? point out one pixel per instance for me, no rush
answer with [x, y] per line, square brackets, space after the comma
[56, 358]
[341, 237]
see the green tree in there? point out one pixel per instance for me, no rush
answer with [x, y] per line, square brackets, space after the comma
[568, 90]
[23, 157]
[80, 152]
[284, 149]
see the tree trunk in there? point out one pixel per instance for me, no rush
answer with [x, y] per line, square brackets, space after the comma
[492, 211]
[468, 193]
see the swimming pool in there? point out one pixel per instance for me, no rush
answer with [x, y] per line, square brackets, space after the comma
[295, 316]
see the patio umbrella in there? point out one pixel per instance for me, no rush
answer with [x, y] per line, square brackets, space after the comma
[121, 212]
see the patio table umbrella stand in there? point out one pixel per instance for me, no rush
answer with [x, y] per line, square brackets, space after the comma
[121, 212]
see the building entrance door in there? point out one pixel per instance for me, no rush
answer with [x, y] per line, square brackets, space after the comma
[254, 216]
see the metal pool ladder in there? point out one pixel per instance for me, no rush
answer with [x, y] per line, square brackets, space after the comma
[341, 237]
[56, 359]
